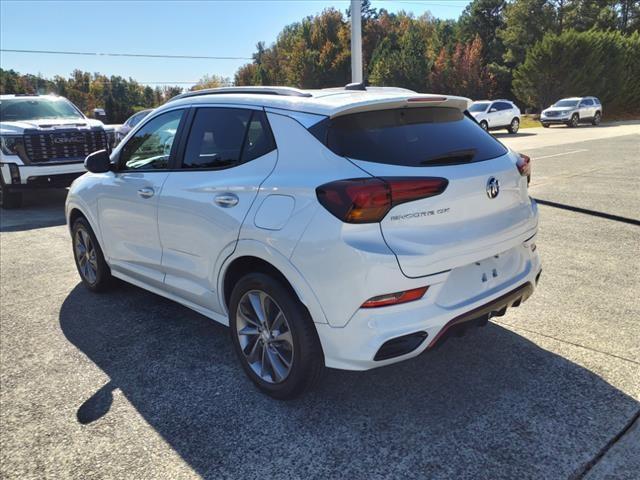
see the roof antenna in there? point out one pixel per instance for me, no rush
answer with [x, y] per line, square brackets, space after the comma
[355, 86]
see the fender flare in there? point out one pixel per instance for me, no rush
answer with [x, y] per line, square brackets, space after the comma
[255, 248]
[77, 204]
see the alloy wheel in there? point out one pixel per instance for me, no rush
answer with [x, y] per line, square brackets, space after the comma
[264, 336]
[515, 125]
[86, 257]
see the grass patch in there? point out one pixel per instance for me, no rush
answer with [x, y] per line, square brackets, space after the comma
[528, 121]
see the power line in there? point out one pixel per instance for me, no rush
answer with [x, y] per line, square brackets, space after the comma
[430, 4]
[136, 55]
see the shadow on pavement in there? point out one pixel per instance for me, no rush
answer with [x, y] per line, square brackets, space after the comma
[586, 211]
[489, 405]
[40, 208]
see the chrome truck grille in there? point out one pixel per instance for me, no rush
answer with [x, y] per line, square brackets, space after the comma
[63, 145]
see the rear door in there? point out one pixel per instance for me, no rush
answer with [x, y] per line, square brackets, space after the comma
[493, 115]
[485, 209]
[227, 155]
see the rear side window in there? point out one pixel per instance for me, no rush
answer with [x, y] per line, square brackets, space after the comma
[413, 137]
[225, 137]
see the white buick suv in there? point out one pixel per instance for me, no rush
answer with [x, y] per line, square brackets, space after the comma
[345, 228]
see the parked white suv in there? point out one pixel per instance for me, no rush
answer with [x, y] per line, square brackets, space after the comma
[349, 229]
[496, 114]
[44, 140]
[573, 111]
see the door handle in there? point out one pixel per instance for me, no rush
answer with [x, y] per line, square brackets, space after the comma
[226, 200]
[146, 192]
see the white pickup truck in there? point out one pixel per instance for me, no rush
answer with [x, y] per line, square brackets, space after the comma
[44, 140]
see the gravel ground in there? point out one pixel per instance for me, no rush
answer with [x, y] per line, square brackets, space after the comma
[129, 385]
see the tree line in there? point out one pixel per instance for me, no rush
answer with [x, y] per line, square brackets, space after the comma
[531, 51]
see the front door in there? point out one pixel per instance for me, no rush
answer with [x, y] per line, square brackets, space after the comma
[128, 202]
[228, 154]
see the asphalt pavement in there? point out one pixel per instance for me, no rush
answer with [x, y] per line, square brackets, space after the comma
[127, 384]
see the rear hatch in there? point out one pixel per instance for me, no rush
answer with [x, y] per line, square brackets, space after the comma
[485, 209]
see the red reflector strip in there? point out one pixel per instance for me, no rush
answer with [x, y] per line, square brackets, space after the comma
[426, 99]
[395, 298]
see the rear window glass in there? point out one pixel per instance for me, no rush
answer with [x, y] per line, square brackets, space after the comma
[413, 137]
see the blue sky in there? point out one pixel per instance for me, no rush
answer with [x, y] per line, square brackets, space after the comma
[209, 28]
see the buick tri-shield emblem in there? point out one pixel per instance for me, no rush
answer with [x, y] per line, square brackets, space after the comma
[493, 187]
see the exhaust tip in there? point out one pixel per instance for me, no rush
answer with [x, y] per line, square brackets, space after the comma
[400, 346]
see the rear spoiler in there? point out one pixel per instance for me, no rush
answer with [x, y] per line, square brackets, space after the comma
[406, 101]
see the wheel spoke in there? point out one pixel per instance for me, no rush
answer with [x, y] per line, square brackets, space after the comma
[278, 369]
[248, 331]
[258, 307]
[278, 321]
[264, 362]
[254, 353]
[284, 337]
[286, 361]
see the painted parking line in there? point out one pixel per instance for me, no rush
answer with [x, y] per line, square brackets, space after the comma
[563, 153]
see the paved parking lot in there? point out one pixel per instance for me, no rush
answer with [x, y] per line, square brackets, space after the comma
[129, 385]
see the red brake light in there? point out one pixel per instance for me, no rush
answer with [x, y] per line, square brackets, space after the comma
[368, 200]
[524, 166]
[395, 298]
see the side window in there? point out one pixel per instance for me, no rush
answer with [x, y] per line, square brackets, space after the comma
[259, 138]
[151, 147]
[495, 107]
[586, 102]
[224, 137]
[502, 106]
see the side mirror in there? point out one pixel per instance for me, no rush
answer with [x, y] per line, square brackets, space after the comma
[493, 109]
[98, 162]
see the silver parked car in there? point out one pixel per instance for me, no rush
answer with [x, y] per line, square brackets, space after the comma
[573, 111]
[131, 122]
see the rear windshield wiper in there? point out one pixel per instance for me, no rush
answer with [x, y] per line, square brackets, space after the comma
[451, 158]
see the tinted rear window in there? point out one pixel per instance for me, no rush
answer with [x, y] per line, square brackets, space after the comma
[413, 137]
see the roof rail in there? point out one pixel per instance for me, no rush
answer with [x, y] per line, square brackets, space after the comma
[284, 91]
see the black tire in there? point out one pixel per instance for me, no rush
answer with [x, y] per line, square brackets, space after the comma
[596, 119]
[103, 279]
[484, 125]
[545, 125]
[9, 200]
[514, 126]
[575, 120]
[307, 359]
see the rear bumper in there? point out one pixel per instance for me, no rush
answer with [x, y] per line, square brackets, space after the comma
[366, 340]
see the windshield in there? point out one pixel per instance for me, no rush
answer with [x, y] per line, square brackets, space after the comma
[135, 118]
[479, 106]
[566, 103]
[413, 137]
[18, 109]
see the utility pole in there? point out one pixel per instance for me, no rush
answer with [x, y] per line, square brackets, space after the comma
[356, 41]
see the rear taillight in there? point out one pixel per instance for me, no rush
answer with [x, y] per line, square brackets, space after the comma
[524, 166]
[395, 298]
[368, 200]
